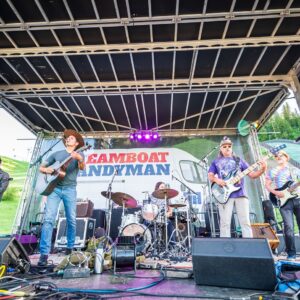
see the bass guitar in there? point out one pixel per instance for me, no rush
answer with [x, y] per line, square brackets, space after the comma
[222, 194]
[48, 182]
[289, 191]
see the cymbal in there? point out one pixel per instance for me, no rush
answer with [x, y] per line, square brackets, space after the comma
[119, 198]
[162, 193]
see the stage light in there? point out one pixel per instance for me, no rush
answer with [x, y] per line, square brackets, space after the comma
[144, 136]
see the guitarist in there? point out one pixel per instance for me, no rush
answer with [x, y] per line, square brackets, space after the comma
[222, 166]
[275, 179]
[65, 191]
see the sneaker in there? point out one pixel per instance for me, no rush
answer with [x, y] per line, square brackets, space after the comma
[291, 257]
[68, 251]
[43, 261]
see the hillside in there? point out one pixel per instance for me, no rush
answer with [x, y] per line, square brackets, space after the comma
[8, 206]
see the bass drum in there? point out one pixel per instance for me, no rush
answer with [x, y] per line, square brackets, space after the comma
[142, 234]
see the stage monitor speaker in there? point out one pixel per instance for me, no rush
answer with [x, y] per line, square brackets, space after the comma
[13, 254]
[234, 263]
[85, 228]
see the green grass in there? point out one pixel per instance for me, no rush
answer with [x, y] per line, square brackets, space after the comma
[9, 204]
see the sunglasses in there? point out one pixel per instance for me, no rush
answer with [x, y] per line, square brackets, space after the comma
[226, 146]
[279, 155]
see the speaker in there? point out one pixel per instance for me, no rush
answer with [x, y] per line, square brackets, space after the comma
[85, 228]
[13, 254]
[265, 231]
[234, 263]
[99, 216]
[116, 218]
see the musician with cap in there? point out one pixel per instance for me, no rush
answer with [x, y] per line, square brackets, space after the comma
[279, 182]
[65, 191]
[221, 168]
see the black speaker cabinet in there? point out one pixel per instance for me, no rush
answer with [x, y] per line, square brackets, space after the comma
[234, 263]
[12, 253]
[85, 228]
[99, 216]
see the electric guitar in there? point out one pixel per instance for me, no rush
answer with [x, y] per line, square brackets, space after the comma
[48, 182]
[222, 194]
[289, 192]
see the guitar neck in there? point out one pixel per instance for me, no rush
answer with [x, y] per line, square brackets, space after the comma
[70, 157]
[242, 174]
[293, 187]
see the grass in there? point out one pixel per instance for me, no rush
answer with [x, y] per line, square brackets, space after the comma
[9, 204]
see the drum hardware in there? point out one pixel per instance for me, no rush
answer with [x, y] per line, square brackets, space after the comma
[142, 235]
[121, 199]
[165, 194]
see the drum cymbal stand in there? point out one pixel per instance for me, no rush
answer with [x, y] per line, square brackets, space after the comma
[109, 193]
[179, 250]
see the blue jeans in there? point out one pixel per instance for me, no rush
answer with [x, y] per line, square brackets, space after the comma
[68, 195]
[291, 208]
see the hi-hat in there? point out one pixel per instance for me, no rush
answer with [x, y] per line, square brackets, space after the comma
[165, 193]
[120, 198]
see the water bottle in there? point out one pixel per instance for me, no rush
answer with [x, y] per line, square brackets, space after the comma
[99, 257]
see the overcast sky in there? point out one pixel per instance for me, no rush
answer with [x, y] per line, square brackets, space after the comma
[18, 142]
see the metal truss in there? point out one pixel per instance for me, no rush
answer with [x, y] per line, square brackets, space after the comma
[152, 46]
[150, 84]
[152, 20]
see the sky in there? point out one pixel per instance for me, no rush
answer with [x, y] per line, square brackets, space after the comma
[18, 142]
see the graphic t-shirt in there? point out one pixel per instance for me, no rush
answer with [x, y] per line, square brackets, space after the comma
[280, 176]
[224, 166]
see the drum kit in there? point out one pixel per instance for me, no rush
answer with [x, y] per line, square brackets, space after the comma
[149, 224]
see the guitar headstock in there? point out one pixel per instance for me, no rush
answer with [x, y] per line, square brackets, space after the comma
[274, 150]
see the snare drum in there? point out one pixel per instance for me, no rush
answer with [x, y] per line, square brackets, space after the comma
[177, 202]
[142, 234]
[149, 212]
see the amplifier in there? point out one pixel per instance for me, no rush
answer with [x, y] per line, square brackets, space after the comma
[265, 231]
[85, 228]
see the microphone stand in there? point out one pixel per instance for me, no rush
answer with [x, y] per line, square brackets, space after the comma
[109, 192]
[204, 160]
[188, 211]
[39, 159]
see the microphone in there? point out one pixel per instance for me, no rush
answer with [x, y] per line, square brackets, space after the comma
[209, 153]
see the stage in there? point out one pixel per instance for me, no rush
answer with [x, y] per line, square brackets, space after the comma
[172, 280]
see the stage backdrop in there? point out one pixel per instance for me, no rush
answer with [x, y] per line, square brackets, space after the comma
[140, 166]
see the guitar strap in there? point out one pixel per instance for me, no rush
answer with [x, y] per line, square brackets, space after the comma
[237, 163]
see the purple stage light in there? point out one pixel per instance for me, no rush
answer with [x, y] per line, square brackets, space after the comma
[155, 136]
[147, 136]
[139, 136]
[131, 136]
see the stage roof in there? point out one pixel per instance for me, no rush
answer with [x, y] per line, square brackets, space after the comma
[114, 66]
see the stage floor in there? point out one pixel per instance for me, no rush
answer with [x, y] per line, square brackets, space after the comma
[178, 284]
